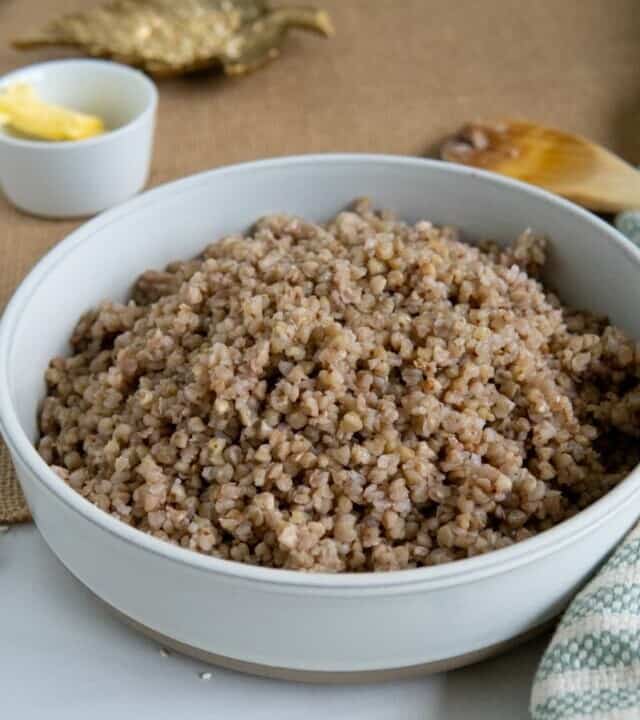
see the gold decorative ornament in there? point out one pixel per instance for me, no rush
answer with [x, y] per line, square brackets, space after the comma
[170, 37]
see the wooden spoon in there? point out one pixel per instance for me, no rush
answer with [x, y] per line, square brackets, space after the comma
[566, 164]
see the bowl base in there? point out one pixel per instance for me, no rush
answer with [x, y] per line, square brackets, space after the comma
[332, 677]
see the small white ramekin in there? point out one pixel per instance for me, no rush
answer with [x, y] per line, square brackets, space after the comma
[80, 178]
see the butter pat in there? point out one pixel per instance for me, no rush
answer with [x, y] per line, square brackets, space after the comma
[22, 111]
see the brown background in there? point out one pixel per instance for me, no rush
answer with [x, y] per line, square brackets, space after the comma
[397, 76]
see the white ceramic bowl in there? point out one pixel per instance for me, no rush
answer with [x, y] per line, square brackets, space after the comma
[75, 179]
[276, 621]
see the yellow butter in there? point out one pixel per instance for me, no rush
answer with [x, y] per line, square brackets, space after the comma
[23, 111]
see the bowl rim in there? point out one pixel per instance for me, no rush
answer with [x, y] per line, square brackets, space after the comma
[445, 575]
[116, 68]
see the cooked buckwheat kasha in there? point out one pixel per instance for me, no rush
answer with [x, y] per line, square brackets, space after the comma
[362, 395]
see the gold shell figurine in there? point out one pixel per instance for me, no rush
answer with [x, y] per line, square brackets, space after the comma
[170, 37]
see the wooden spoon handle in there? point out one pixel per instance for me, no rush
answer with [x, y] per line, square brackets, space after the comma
[611, 199]
[611, 185]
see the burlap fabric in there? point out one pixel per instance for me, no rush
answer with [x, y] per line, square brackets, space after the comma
[398, 76]
[13, 507]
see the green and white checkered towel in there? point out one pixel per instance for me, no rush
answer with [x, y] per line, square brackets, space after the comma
[591, 669]
[629, 224]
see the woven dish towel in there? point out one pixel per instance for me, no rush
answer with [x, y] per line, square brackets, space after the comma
[591, 669]
[13, 506]
[629, 224]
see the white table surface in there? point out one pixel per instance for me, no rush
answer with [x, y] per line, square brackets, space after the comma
[62, 655]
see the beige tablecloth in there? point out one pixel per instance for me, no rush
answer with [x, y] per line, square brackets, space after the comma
[396, 78]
